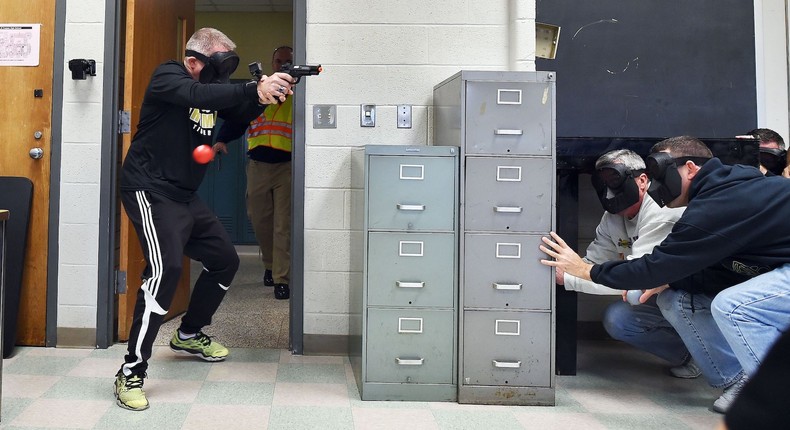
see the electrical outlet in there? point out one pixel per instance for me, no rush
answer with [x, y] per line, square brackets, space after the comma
[367, 115]
[404, 116]
[325, 116]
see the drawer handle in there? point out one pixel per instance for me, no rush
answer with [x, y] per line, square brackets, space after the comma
[401, 284]
[507, 364]
[409, 361]
[402, 207]
[508, 132]
[507, 286]
[507, 209]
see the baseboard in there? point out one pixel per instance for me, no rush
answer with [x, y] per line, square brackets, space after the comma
[325, 344]
[70, 337]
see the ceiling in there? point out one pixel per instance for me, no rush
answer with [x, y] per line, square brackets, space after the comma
[244, 5]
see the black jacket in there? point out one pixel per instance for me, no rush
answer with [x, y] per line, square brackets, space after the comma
[178, 114]
[734, 227]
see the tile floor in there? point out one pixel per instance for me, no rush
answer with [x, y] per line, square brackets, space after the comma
[616, 387]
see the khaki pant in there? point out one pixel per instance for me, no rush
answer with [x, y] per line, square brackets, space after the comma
[269, 210]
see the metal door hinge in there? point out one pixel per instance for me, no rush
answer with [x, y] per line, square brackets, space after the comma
[120, 282]
[124, 122]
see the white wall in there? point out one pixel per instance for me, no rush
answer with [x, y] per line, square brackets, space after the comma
[80, 168]
[771, 41]
[385, 53]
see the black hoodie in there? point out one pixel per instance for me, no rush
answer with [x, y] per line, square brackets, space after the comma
[734, 228]
[178, 114]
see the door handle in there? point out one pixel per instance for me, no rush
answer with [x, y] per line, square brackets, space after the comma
[36, 153]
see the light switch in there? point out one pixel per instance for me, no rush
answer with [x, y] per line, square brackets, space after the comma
[367, 115]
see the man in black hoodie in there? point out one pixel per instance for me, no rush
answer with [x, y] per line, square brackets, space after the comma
[732, 228]
[158, 185]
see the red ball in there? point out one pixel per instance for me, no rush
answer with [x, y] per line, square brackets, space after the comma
[203, 154]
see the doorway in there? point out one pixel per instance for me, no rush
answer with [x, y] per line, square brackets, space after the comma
[243, 24]
[250, 316]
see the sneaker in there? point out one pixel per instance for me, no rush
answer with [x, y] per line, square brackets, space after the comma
[690, 370]
[282, 292]
[129, 392]
[268, 281]
[730, 393]
[200, 345]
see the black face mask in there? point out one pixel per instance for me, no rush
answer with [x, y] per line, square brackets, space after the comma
[774, 160]
[218, 67]
[616, 187]
[665, 181]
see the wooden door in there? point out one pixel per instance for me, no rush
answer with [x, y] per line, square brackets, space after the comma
[22, 116]
[156, 31]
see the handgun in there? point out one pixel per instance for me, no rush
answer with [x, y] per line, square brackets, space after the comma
[296, 71]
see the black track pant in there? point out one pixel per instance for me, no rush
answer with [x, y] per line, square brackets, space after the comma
[168, 230]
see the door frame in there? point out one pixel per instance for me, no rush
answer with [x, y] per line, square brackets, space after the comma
[296, 312]
[109, 208]
[56, 124]
[108, 216]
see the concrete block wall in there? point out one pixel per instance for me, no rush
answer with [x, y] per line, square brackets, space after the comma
[384, 53]
[80, 169]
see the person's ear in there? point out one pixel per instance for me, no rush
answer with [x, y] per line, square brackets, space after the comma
[692, 169]
[190, 62]
[642, 181]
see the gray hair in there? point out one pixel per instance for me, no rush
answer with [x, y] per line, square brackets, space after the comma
[205, 39]
[626, 157]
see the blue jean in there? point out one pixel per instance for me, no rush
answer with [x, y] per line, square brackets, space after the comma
[753, 314]
[645, 328]
[667, 328]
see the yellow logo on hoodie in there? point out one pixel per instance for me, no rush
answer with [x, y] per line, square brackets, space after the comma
[203, 120]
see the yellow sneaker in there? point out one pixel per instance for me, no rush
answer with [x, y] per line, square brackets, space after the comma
[201, 345]
[129, 392]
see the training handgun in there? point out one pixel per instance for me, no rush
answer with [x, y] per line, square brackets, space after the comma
[296, 71]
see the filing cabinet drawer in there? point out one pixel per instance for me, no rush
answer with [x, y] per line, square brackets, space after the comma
[411, 193]
[507, 348]
[411, 269]
[405, 345]
[503, 271]
[509, 194]
[509, 118]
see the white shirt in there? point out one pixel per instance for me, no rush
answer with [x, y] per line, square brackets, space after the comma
[618, 238]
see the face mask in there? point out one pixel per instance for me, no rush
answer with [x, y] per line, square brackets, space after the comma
[774, 160]
[217, 68]
[665, 181]
[616, 187]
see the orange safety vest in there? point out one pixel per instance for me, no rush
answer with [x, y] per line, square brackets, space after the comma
[272, 128]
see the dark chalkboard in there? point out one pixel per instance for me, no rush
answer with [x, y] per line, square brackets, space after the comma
[653, 67]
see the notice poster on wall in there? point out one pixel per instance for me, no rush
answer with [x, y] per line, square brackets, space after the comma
[20, 44]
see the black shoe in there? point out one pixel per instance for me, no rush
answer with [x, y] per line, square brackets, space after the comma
[282, 292]
[268, 281]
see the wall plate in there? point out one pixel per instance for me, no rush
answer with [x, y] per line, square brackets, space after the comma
[404, 116]
[324, 116]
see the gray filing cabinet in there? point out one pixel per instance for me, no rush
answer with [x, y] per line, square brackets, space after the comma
[408, 340]
[504, 123]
